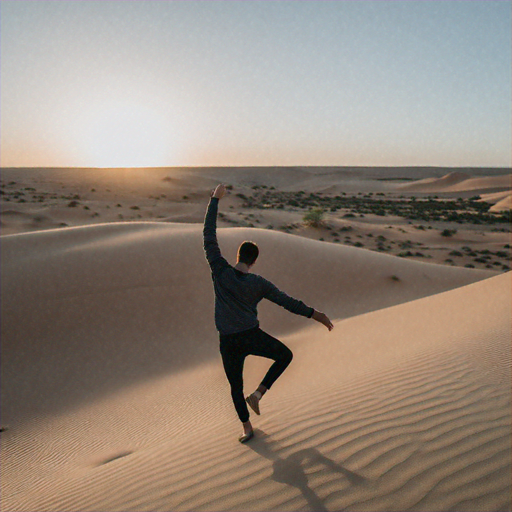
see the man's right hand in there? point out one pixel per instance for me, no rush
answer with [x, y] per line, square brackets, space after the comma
[219, 192]
[323, 319]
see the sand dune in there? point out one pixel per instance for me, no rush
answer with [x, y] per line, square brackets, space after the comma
[147, 286]
[500, 200]
[460, 182]
[113, 396]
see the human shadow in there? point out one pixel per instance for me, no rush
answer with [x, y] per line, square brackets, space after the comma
[290, 470]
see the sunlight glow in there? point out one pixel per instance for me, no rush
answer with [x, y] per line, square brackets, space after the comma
[126, 134]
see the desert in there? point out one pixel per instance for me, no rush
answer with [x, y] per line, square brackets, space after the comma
[113, 395]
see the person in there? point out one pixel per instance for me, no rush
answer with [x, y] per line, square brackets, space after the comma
[237, 293]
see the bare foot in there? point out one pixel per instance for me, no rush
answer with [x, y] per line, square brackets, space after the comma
[247, 427]
[254, 403]
[248, 432]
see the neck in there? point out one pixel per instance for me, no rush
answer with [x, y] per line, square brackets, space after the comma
[243, 267]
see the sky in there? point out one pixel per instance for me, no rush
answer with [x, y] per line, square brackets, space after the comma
[151, 83]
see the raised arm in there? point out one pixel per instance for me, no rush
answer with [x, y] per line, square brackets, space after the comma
[210, 244]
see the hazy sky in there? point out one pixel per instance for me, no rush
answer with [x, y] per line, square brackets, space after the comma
[255, 82]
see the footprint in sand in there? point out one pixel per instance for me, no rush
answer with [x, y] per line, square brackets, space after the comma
[115, 457]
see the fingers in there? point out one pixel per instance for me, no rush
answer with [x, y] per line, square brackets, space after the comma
[323, 319]
[220, 191]
[328, 324]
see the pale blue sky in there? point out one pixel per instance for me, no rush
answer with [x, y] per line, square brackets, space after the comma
[268, 82]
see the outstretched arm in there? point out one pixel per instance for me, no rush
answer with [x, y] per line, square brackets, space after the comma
[295, 306]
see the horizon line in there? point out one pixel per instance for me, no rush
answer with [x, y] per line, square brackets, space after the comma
[266, 167]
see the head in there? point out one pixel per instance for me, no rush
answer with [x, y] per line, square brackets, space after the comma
[247, 253]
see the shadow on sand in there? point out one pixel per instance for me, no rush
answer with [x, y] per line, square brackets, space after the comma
[290, 470]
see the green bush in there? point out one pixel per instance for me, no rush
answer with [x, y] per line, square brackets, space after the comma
[314, 218]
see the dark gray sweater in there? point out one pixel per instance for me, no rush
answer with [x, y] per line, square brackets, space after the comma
[236, 293]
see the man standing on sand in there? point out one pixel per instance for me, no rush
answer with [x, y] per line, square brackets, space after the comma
[237, 293]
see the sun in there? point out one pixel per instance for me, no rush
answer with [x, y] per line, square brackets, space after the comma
[126, 134]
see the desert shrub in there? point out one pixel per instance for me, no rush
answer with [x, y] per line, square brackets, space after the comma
[358, 244]
[448, 232]
[314, 218]
[134, 208]
[456, 253]
[73, 204]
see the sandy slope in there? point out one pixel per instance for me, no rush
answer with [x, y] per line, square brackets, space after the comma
[114, 398]
[460, 182]
[500, 200]
[83, 294]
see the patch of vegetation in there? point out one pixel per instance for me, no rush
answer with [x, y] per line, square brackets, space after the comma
[428, 209]
[314, 218]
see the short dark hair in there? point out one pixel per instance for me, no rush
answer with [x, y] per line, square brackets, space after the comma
[248, 253]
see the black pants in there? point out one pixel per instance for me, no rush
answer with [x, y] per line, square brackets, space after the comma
[234, 348]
